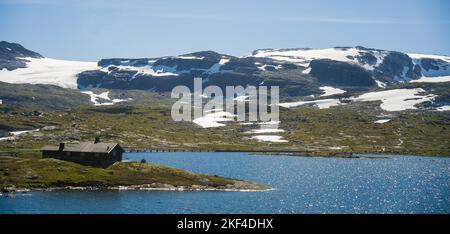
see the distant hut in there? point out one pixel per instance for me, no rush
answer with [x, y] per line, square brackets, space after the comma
[94, 154]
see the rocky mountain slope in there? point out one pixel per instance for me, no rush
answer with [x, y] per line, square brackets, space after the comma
[298, 72]
[12, 56]
[369, 65]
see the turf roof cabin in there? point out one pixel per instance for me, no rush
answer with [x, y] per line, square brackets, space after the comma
[94, 154]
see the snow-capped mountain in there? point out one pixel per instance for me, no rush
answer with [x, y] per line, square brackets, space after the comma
[381, 65]
[298, 72]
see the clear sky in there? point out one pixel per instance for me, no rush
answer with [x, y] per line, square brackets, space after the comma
[94, 29]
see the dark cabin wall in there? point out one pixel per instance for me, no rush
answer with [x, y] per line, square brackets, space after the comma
[114, 156]
[86, 158]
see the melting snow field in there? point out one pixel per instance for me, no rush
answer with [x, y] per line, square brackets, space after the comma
[440, 72]
[392, 100]
[216, 119]
[380, 84]
[212, 120]
[271, 127]
[265, 129]
[48, 71]
[329, 91]
[190, 57]
[14, 135]
[103, 98]
[269, 138]
[161, 70]
[382, 121]
[322, 103]
[396, 99]
[443, 108]
[147, 70]
[431, 56]
[305, 56]
[432, 79]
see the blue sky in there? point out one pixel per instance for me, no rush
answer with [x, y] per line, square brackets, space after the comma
[94, 29]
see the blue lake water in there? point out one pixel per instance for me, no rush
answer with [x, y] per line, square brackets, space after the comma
[399, 184]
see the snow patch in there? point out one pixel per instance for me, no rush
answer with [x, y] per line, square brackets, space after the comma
[242, 98]
[439, 72]
[263, 67]
[269, 138]
[212, 120]
[432, 79]
[265, 130]
[303, 57]
[146, 70]
[443, 108]
[379, 55]
[266, 127]
[331, 91]
[382, 121]
[430, 56]
[13, 135]
[396, 99]
[216, 67]
[380, 84]
[103, 99]
[321, 104]
[190, 57]
[307, 70]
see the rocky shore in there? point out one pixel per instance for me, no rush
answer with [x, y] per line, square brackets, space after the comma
[21, 175]
[239, 186]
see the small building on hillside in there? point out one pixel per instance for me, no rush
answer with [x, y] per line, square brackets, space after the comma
[94, 154]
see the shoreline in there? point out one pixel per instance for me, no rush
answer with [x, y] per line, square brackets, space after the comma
[143, 187]
[323, 154]
[354, 156]
[23, 175]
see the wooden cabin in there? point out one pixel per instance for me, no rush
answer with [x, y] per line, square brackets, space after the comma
[94, 154]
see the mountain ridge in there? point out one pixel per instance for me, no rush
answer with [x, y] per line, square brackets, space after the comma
[298, 71]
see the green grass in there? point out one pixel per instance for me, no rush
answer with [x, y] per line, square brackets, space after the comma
[33, 173]
[146, 122]
[352, 128]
